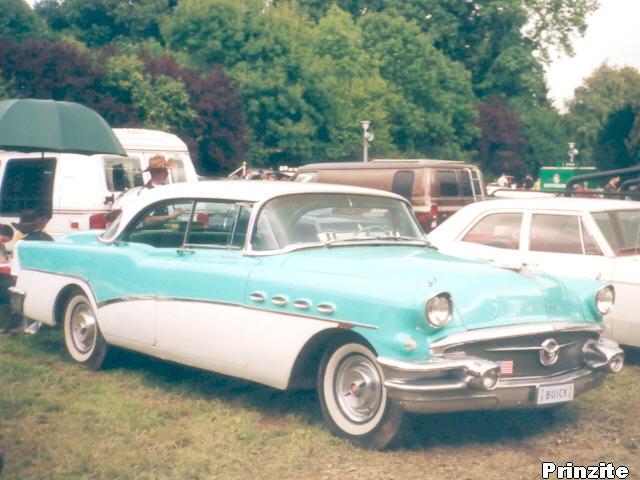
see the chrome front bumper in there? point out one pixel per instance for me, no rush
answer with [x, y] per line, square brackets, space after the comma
[16, 300]
[450, 383]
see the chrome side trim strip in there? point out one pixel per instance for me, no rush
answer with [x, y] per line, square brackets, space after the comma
[111, 301]
[510, 331]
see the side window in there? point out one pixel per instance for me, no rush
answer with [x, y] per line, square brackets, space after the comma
[467, 190]
[162, 225]
[403, 183]
[555, 233]
[122, 173]
[306, 177]
[219, 224]
[590, 245]
[448, 183]
[27, 183]
[178, 175]
[500, 230]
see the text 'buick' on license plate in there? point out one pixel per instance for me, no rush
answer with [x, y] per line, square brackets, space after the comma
[555, 393]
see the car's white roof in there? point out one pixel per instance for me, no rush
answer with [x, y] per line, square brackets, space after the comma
[460, 220]
[251, 191]
[557, 203]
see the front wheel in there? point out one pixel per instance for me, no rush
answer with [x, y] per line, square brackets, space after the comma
[82, 338]
[353, 398]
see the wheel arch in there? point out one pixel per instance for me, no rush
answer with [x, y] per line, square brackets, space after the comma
[305, 368]
[63, 297]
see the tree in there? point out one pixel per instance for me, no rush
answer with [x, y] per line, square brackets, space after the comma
[606, 91]
[208, 31]
[161, 102]
[100, 22]
[612, 144]
[60, 71]
[435, 115]
[501, 147]
[217, 134]
[19, 22]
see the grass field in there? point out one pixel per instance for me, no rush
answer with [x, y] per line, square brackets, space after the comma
[144, 419]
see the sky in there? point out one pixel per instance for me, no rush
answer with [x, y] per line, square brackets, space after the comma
[613, 36]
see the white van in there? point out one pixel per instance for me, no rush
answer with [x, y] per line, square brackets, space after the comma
[79, 189]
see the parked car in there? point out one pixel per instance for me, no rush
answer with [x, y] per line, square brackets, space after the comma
[80, 189]
[591, 238]
[293, 285]
[435, 188]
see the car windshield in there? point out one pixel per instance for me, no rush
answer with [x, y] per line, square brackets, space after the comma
[301, 220]
[621, 229]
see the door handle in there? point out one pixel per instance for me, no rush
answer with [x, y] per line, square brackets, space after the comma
[185, 251]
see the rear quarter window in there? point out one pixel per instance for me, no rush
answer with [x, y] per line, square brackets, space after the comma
[447, 182]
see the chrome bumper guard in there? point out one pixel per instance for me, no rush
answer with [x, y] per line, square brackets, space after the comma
[450, 383]
[16, 300]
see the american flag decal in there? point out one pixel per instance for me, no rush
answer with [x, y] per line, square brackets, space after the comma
[506, 367]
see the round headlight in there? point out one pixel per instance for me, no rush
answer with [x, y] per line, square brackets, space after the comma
[438, 310]
[604, 299]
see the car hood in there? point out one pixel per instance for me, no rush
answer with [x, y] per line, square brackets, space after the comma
[483, 294]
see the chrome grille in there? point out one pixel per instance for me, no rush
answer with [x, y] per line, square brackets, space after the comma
[529, 352]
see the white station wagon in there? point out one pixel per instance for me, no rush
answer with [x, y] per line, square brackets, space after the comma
[591, 238]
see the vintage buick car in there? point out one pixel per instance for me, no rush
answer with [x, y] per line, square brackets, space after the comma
[585, 237]
[292, 285]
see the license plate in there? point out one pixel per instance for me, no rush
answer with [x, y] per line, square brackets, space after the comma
[555, 393]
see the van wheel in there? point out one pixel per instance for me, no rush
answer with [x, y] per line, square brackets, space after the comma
[353, 399]
[82, 337]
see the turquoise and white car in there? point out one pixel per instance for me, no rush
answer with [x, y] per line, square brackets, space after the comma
[292, 285]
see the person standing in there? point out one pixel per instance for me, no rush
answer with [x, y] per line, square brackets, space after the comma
[612, 185]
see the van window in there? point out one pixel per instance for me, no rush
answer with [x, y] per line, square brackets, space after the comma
[306, 177]
[178, 174]
[122, 173]
[27, 183]
[403, 183]
[447, 182]
[467, 191]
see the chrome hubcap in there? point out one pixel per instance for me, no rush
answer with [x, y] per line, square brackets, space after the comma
[358, 388]
[83, 328]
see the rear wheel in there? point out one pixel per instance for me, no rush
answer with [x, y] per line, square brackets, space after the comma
[353, 398]
[82, 338]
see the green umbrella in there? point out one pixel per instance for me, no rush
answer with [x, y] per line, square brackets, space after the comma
[28, 125]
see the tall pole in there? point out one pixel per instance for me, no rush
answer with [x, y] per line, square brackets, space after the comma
[367, 137]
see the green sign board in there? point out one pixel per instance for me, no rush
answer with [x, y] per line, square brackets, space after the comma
[555, 178]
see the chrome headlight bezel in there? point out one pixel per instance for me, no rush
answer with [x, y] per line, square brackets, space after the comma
[605, 299]
[438, 310]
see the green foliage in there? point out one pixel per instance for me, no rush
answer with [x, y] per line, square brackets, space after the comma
[162, 102]
[612, 144]
[607, 91]
[502, 145]
[434, 115]
[546, 133]
[19, 22]
[209, 31]
[99, 22]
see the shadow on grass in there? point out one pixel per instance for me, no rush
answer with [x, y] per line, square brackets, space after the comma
[632, 355]
[192, 382]
[421, 431]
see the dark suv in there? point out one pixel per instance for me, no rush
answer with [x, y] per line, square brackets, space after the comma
[435, 188]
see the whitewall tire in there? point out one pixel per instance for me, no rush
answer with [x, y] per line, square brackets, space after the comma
[82, 338]
[353, 397]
